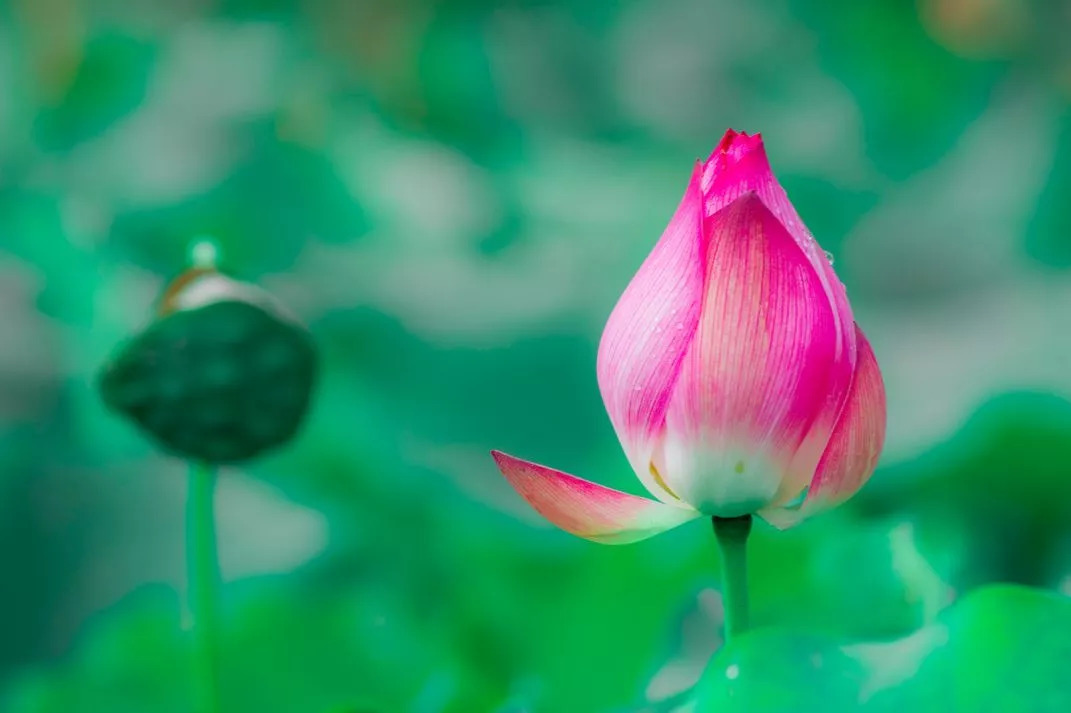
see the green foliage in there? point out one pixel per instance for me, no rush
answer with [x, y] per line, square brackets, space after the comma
[996, 491]
[1049, 237]
[1001, 648]
[452, 195]
[254, 234]
[917, 94]
[110, 83]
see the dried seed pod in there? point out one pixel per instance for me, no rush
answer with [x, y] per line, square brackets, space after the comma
[222, 374]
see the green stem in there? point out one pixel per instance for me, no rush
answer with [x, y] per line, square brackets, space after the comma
[732, 533]
[203, 571]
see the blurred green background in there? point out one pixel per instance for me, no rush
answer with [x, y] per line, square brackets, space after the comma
[452, 195]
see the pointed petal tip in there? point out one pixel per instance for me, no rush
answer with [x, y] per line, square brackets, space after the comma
[734, 145]
[744, 213]
[781, 518]
[737, 163]
[748, 200]
[731, 136]
[726, 140]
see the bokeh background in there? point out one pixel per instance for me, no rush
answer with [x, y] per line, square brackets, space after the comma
[452, 195]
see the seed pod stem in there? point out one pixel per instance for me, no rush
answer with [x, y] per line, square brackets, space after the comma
[202, 562]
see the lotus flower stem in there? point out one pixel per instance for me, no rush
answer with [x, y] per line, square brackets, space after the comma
[203, 571]
[732, 533]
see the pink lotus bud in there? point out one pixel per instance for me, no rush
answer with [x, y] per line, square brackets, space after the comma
[731, 368]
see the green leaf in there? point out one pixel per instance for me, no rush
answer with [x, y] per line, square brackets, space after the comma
[1010, 650]
[777, 670]
[1001, 648]
[283, 649]
[994, 502]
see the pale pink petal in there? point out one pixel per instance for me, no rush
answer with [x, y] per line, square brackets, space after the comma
[587, 509]
[646, 337]
[760, 371]
[854, 448]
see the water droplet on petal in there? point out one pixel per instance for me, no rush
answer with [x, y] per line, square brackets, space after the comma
[829, 256]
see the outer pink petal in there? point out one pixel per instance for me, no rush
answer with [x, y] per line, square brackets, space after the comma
[737, 166]
[647, 334]
[587, 509]
[853, 450]
[759, 372]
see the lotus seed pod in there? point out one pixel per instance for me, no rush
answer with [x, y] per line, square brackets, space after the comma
[221, 375]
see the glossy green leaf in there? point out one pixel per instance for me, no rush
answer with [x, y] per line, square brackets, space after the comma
[1001, 648]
